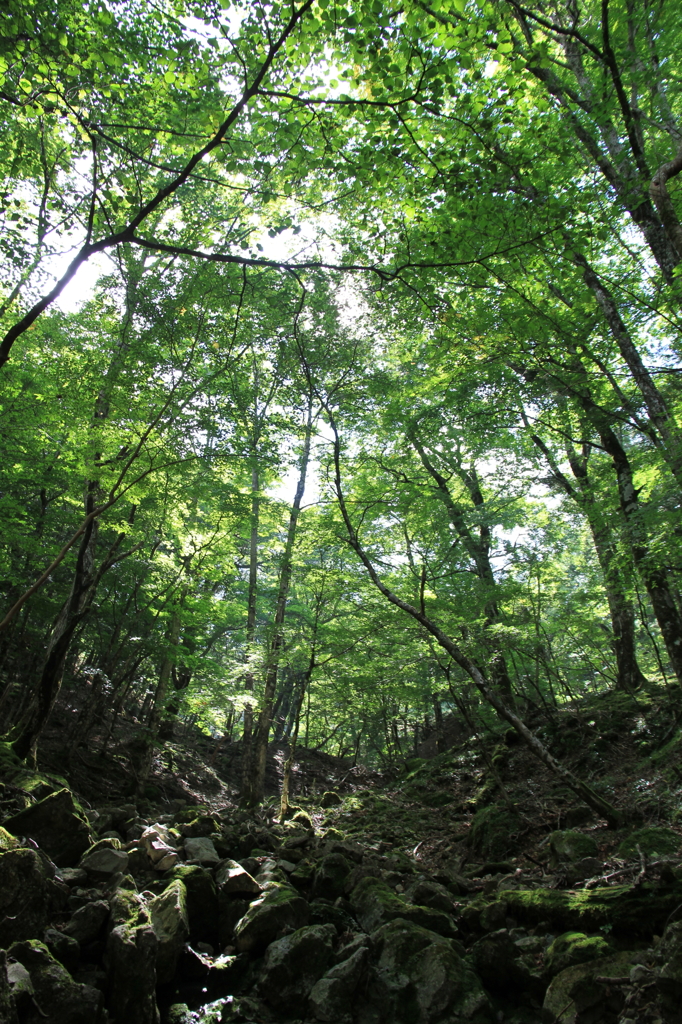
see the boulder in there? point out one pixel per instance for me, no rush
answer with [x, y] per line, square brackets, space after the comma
[158, 843]
[231, 910]
[573, 948]
[567, 846]
[8, 1013]
[331, 875]
[200, 850]
[669, 981]
[202, 902]
[279, 909]
[104, 862]
[25, 895]
[425, 893]
[575, 994]
[87, 922]
[497, 960]
[331, 998]
[330, 799]
[325, 912]
[654, 840]
[293, 964]
[170, 922]
[57, 826]
[233, 879]
[63, 948]
[55, 991]
[492, 831]
[130, 960]
[417, 977]
[375, 904]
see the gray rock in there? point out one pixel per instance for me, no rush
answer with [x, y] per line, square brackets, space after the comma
[74, 876]
[233, 879]
[54, 988]
[331, 875]
[567, 846]
[56, 825]
[25, 895]
[331, 998]
[202, 902]
[375, 904]
[63, 948]
[87, 922]
[497, 960]
[424, 893]
[418, 977]
[279, 909]
[104, 862]
[201, 850]
[171, 926]
[8, 1012]
[131, 974]
[293, 964]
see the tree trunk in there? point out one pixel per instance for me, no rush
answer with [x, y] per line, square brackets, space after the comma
[251, 608]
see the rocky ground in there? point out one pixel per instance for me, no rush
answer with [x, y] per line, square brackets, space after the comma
[469, 887]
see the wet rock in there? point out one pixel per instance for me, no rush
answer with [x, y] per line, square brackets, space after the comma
[104, 862]
[130, 960]
[331, 875]
[567, 846]
[63, 948]
[374, 904]
[87, 922]
[56, 994]
[233, 879]
[25, 895]
[575, 994]
[202, 902]
[201, 850]
[293, 964]
[418, 977]
[331, 998]
[279, 909]
[57, 826]
[573, 948]
[170, 922]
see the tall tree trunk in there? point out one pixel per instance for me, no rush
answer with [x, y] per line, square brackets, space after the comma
[146, 757]
[256, 790]
[251, 609]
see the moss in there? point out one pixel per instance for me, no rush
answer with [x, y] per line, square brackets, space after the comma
[7, 840]
[303, 818]
[569, 846]
[650, 840]
[640, 912]
[575, 948]
[492, 831]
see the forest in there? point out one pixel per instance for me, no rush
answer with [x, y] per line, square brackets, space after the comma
[340, 398]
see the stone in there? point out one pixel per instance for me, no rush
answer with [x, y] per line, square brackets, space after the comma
[54, 988]
[202, 902]
[25, 896]
[425, 893]
[573, 948]
[201, 850]
[293, 964]
[418, 977]
[652, 841]
[279, 909]
[330, 799]
[331, 998]
[304, 874]
[669, 957]
[130, 960]
[179, 1013]
[104, 863]
[167, 862]
[22, 992]
[56, 825]
[331, 875]
[201, 826]
[63, 948]
[497, 960]
[233, 879]
[231, 910]
[337, 914]
[87, 922]
[374, 904]
[157, 841]
[7, 841]
[8, 1012]
[492, 832]
[568, 846]
[74, 877]
[575, 995]
[170, 922]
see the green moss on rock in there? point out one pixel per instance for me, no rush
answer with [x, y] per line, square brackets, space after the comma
[573, 948]
[568, 846]
[492, 832]
[652, 840]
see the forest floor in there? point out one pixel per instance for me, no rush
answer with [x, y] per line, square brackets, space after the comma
[542, 900]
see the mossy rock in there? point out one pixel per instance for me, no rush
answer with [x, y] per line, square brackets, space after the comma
[414, 764]
[303, 818]
[188, 814]
[639, 913]
[202, 901]
[568, 846]
[7, 840]
[330, 799]
[573, 948]
[576, 990]
[652, 840]
[492, 831]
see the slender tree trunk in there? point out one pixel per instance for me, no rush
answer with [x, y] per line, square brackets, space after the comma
[256, 791]
[289, 763]
[152, 732]
[251, 608]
